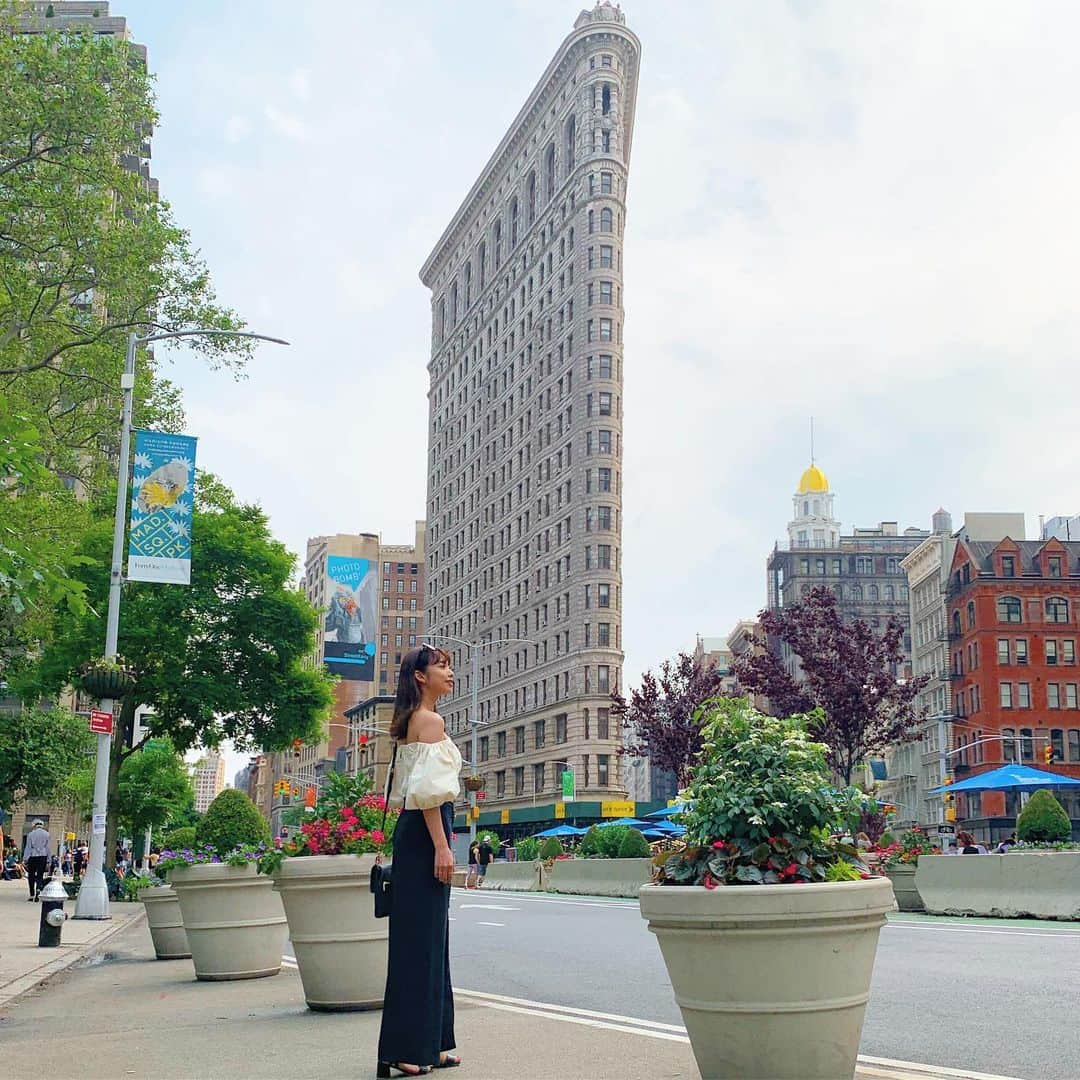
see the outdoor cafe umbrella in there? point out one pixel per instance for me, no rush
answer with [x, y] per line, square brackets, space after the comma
[670, 811]
[560, 831]
[1010, 778]
[632, 822]
[669, 828]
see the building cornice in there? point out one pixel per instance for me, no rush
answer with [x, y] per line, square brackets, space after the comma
[521, 126]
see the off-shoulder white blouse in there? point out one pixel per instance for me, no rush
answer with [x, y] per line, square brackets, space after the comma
[426, 774]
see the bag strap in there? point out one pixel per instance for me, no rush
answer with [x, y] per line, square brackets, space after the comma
[389, 785]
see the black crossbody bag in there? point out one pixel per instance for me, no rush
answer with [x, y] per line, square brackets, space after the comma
[382, 876]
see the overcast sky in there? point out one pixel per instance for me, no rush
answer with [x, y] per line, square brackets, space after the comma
[863, 211]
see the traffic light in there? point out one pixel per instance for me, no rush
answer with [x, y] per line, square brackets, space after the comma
[949, 799]
[1048, 755]
[361, 740]
[297, 746]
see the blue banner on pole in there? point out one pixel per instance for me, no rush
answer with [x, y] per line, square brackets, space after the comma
[162, 493]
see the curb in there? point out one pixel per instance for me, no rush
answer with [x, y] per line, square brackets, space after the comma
[21, 984]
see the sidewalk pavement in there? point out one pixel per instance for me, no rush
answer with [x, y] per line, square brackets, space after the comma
[23, 964]
[123, 1014]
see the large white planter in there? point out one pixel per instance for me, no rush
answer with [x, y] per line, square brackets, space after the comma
[233, 918]
[166, 925]
[340, 947]
[772, 980]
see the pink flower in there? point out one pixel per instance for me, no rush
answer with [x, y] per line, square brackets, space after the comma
[377, 836]
[709, 883]
[719, 845]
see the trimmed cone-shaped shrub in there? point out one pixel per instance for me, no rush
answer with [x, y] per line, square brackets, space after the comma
[1043, 818]
[179, 839]
[232, 820]
[634, 846]
[551, 848]
[611, 840]
[592, 842]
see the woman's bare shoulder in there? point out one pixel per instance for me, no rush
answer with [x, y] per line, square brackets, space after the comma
[426, 726]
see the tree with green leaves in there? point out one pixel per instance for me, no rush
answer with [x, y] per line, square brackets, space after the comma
[224, 658]
[39, 749]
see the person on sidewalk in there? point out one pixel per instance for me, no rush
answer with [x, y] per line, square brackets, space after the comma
[417, 1030]
[473, 874]
[36, 857]
[486, 854]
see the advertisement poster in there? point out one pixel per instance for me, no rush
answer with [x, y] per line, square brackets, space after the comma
[162, 489]
[349, 640]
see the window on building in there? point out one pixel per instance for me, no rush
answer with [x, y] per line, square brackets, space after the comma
[603, 518]
[1008, 566]
[519, 780]
[603, 633]
[540, 733]
[606, 256]
[1027, 744]
[1021, 650]
[1023, 695]
[1074, 744]
[603, 441]
[500, 744]
[1057, 610]
[603, 556]
[1006, 695]
[1051, 648]
[603, 679]
[1070, 695]
[519, 740]
[607, 293]
[604, 366]
[571, 145]
[1003, 650]
[603, 477]
[603, 595]
[500, 785]
[1053, 696]
[605, 330]
[560, 728]
[1008, 744]
[1009, 609]
[607, 221]
[1054, 565]
[603, 723]
[971, 614]
[485, 745]
[538, 776]
[1068, 651]
[602, 769]
[605, 185]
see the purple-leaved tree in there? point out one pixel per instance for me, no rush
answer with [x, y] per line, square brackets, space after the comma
[658, 720]
[848, 671]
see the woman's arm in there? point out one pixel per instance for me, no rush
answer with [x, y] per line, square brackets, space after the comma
[429, 728]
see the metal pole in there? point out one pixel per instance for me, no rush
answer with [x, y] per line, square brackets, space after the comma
[93, 899]
[474, 723]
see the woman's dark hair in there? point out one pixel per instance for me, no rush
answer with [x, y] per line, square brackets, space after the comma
[408, 689]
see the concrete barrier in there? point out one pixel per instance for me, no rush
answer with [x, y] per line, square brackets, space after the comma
[516, 876]
[1041, 884]
[599, 877]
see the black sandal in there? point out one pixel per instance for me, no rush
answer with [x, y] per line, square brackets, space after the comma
[448, 1062]
[384, 1067]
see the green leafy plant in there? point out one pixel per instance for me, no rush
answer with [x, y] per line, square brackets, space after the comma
[1043, 819]
[842, 870]
[764, 808]
[232, 820]
[132, 883]
[527, 849]
[551, 848]
[906, 853]
[633, 845]
[591, 846]
[178, 839]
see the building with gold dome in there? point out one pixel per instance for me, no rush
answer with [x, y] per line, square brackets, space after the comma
[862, 568]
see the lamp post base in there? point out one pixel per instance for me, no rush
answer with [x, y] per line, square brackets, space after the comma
[93, 899]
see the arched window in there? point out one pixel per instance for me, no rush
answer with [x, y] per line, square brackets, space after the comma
[956, 624]
[468, 285]
[549, 173]
[856, 593]
[1057, 610]
[1009, 609]
[453, 304]
[513, 223]
[1027, 744]
[497, 240]
[571, 143]
[890, 593]
[971, 614]
[874, 593]
[530, 196]
[606, 220]
[481, 262]
[839, 590]
[605, 99]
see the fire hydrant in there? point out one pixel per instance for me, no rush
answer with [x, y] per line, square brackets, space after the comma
[52, 914]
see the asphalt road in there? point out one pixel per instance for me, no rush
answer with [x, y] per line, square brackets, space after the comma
[995, 996]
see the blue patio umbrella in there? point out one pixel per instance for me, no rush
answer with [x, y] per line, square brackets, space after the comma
[656, 834]
[632, 822]
[669, 828]
[670, 811]
[560, 831]
[1010, 778]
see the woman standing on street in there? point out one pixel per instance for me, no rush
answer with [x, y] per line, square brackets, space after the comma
[418, 1007]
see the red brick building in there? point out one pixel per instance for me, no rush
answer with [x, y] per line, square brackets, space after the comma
[1014, 636]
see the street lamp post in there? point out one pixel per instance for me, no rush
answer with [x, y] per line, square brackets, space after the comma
[93, 898]
[474, 648]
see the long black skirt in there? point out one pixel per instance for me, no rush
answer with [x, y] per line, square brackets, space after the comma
[418, 1007]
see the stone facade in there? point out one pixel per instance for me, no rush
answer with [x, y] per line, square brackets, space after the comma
[209, 781]
[525, 434]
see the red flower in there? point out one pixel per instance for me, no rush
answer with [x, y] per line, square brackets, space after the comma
[718, 845]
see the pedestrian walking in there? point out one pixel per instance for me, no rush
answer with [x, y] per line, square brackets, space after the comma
[36, 857]
[79, 860]
[418, 1007]
[473, 873]
[485, 856]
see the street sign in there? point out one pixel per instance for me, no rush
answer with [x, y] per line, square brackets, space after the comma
[481, 796]
[617, 808]
[948, 829]
[101, 723]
